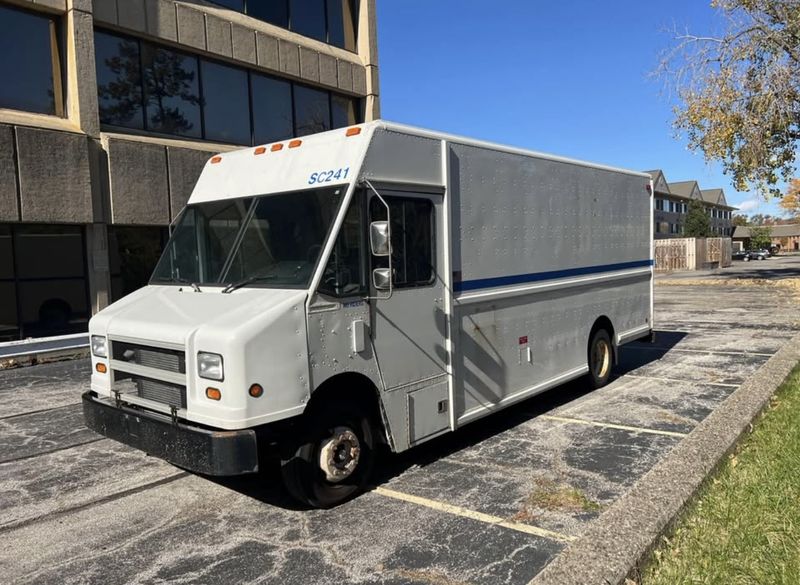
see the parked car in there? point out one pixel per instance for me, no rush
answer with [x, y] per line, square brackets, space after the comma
[741, 255]
[758, 254]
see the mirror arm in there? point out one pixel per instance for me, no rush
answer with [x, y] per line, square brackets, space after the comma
[389, 232]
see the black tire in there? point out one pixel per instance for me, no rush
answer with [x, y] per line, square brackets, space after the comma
[600, 355]
[327, 427]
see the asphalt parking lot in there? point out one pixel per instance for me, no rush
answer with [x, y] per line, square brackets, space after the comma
[493, 503]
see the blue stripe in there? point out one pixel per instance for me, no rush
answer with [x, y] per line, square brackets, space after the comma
[551, 275]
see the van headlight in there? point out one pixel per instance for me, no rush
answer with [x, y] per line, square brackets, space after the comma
[99, 346]
[209, 366]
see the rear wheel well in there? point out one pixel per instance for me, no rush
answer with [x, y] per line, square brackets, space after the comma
[350, 386]
[603, 322]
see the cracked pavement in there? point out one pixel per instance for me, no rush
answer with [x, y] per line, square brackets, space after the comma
[493, 503]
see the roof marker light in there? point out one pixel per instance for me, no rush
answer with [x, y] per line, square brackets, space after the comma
[355, 130]
[276, 147]
[260, 150]
[295, 143]
[216, 159]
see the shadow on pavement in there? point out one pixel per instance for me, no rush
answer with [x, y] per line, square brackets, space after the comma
[266, 485]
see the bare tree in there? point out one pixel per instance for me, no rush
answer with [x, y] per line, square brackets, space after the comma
[739, 91]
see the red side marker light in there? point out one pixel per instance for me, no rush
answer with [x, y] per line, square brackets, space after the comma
[276, 147]
[260, 150]
[354, 131]
[295, 143]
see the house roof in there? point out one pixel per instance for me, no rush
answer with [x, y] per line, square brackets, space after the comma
[776, 231]
[659, 182]
[687, 189]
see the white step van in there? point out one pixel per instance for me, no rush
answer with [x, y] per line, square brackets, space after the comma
[379, 284]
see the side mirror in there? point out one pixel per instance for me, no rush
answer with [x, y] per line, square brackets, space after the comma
[379, 240]
[382, 279]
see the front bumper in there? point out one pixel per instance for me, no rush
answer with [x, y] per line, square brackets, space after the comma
[193, 448]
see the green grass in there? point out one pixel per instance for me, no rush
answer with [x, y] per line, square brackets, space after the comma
[744, 527]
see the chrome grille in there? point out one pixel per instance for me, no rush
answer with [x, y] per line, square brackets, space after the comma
[170, 360]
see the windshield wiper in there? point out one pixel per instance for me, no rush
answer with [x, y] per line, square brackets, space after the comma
[240, 283]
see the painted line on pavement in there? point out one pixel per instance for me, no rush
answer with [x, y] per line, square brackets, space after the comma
[709, 351]
[663, 379]
[473, 515]
[580, 421]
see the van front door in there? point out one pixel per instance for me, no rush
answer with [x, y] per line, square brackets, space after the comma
[409, 327]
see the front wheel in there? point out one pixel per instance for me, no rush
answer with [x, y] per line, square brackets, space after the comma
[599, 357]
[332, 458]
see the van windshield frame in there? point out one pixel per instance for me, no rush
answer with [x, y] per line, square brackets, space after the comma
[273, 240]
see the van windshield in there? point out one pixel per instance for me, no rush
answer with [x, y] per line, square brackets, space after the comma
[271, 240]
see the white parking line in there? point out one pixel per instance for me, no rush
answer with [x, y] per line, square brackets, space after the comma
[473, 515]
[663, 379]
[709, 351]
[580, 421]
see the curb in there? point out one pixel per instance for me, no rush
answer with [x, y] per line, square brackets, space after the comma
[613, 548]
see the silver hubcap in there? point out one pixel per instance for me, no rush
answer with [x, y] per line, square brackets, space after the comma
[338, 457]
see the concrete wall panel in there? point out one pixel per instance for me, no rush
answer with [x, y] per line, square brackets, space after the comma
[345, 75]
[244, 44]
[267, 48]
[139, 186]
[185, 166]
[327, 70]
[9, 208]
[54, 176]
[105, 11]
[359, 80]
[218, 36]
[309, 64]
[131, 15]
[60, 5]
[162, 21]
[289, 57]
[191, 27]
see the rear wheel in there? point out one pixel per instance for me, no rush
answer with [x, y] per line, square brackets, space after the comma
[332, 458]
[600, 356]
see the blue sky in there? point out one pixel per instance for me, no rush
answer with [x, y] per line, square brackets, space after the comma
[568, 78]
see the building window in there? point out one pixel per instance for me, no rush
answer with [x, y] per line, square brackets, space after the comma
[329, 21]
[312, 111]
[43, 285]
[133, 254]
[142, 86]
[659, 205]
[171, 92]
[31, 64]
[226, 103]
[412, 240]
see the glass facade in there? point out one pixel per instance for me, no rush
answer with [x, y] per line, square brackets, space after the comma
[133, 252]
[330, 21]
[43, 285]
[142, 86]
[31, 63]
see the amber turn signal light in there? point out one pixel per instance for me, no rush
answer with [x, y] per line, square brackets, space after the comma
[101, 368]
[353, 131]
[256, 390]
[213, 393]
[216, 159]
[260, 150]
[295, 143]
[276, 147]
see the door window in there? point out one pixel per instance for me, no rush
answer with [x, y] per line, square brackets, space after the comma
[345, 273]
[412, 240]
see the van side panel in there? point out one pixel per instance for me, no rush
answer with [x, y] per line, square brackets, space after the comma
[541, 249]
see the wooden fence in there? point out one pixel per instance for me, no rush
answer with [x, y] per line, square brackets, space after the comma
[677, 254]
